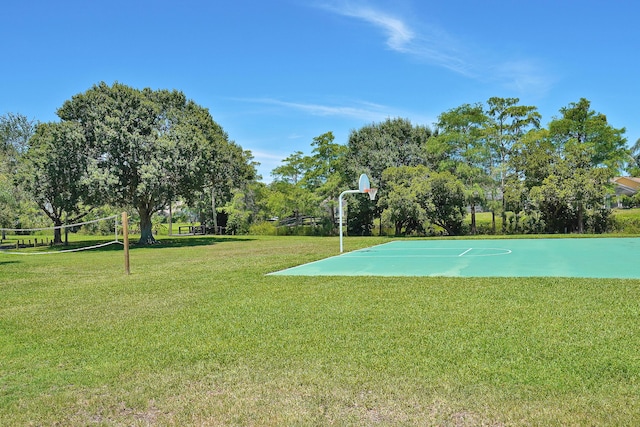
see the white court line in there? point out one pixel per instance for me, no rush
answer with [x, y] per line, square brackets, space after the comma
[463, 253]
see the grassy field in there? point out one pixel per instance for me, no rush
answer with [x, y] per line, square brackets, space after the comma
[198, 335]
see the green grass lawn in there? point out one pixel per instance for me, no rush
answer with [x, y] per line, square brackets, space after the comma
[198, 335]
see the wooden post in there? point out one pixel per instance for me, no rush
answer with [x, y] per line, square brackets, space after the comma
[125, 238]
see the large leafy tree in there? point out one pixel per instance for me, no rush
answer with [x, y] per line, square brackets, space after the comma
[149, 146]
[298, 201]
[589, 153]
[582, 128]
[394, 142]
[633, 163]
[55, 172]
[230, 171]
[309, 185]
[400, 204]
[508, 123]
[324, 175]
[374, 148]
[15, 132]
[442, 197]
[460, 144]
[417, 196]
[7, 202]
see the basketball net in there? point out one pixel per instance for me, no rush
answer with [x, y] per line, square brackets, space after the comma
[371, 192]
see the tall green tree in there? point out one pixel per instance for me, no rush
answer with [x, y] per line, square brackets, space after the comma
[583, 128]
[633, 164]
[460, 144]
[230, 170]
[590, 153]
[442, 197]
[15, 132]
[324, 175]
[536, 156]
[400, 205]
[394, 142]
[292, 169]
[509, 122]
[55, 172]
[417, 197]
[298, 201]
[150, 147]
[8, 203]
[371, 150]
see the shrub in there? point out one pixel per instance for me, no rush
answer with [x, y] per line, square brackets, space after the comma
[265, 228]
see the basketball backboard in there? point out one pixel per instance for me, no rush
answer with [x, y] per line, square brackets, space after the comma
[363, 183]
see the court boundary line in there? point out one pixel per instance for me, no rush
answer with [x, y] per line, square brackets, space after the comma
[346, 254]
[332, 256]
[499, 252]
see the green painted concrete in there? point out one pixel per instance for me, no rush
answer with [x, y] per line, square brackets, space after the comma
[588, 258]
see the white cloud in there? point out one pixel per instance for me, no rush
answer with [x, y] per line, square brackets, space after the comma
[524, 76]
[439, 47]
[267, 156]
[399, 35]
[362, 111]
[432, 44]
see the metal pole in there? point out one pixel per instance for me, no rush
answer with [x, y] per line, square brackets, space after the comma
[340, 211]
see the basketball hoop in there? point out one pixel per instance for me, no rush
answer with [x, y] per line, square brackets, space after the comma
[363, 187]
[372, 193]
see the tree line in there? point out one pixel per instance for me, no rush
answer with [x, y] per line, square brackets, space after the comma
[120, 147]
[143, 149]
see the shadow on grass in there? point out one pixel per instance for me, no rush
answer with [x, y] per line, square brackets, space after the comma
[162, 243]
[9, 262]
[179, 242]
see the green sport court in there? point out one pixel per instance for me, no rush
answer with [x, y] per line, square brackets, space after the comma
[551, 257]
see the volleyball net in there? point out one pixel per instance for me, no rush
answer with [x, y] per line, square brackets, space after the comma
[82, 236]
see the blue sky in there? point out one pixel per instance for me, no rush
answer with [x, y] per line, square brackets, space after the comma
[277, 73]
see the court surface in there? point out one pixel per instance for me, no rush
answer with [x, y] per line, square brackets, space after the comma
[587, 257]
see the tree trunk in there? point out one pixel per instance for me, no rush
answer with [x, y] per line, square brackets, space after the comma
[170, 219]
[146, 232]
[493, 221]
[580, 218]
[332, 212]
[213, 209]
[449, 230]
[57, 233]
[474, 230]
